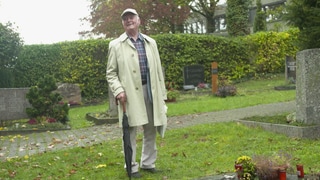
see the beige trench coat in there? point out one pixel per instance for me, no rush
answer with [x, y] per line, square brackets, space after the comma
[123, 74]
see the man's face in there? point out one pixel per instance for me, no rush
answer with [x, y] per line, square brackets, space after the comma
[130, 22]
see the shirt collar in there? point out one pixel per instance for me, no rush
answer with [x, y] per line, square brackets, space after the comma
[139, 37]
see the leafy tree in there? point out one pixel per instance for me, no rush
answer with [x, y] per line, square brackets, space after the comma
[10, 45]
[237, 17]
[157, 16]
[170, 17]
[205, 8]
[305, 14]
[260, 19]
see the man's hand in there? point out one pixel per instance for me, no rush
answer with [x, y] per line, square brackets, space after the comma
[122, 97]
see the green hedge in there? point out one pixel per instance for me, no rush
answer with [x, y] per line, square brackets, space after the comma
[84, 61]
[34, 62]
[177, 51]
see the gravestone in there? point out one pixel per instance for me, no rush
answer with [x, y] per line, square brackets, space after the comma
[308, 86]
[290, 69]
[71, 93]
[193, 75]
[13, 103]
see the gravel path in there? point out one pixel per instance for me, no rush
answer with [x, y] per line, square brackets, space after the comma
[17, 146]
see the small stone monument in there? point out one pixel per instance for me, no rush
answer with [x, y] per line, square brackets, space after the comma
[71, 93]
[308, 86]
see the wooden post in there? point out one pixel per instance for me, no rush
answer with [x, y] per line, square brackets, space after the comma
[214, 73]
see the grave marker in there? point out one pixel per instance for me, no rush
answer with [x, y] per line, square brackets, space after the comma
[193, 75]
[308, 83]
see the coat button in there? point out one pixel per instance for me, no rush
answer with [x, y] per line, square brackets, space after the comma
[134, 71]
[137, 88]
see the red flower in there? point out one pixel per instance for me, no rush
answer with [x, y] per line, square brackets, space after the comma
[32, 121]
[51, 120]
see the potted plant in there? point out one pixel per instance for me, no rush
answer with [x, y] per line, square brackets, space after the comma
[269, 167]
[245, 168]
[172, 93]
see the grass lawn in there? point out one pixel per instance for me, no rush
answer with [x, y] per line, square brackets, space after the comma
[250, 93]
[186, 153]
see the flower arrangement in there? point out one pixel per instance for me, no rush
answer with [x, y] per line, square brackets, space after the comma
[201, 85]
[172, 93]
[226, 88]
[268, 166]
[245, 168]
[265, 167]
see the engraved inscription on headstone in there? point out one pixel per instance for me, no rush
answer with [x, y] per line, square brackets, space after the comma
[193, 75]
[290, 69]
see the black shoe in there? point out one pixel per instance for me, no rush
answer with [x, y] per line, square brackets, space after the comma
[152, 170]
[136, 175]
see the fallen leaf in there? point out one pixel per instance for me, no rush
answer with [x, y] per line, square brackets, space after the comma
[12, 173]
[56, 141]
[101, 165]
[174, 154]
[73, 171]
[184, 154]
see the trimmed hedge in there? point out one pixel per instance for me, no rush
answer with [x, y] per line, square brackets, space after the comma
[84, 61]
[177, 51]
[36, 61]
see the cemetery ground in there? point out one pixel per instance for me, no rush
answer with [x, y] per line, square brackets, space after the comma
[190, 152]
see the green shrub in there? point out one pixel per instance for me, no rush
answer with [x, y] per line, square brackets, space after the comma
[46, 104]
[226, 88]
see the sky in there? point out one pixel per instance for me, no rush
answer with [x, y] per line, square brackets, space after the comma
[46, 21]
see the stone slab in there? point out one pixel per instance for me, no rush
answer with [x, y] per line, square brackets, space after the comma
[305, 132]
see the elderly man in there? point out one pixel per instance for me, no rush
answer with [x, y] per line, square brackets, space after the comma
[135, 76]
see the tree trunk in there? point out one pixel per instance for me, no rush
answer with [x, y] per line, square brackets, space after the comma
[211, 25]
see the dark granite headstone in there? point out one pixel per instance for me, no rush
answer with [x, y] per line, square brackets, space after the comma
[193, 75]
